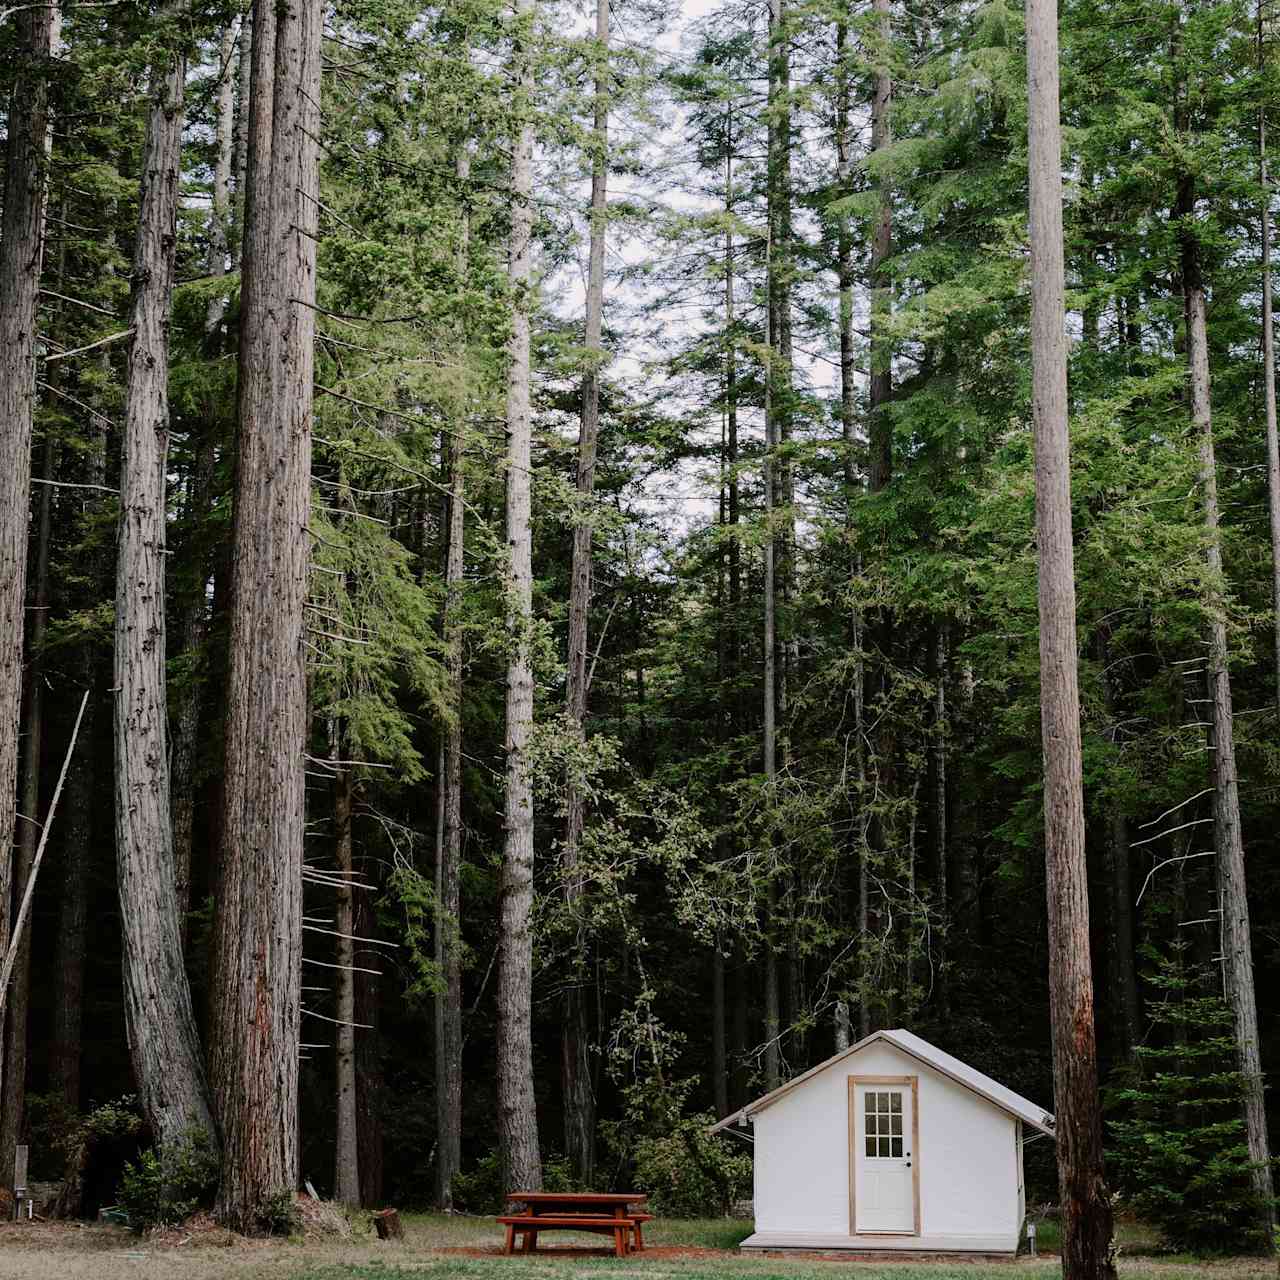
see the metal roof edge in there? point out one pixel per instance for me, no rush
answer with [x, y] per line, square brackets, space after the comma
[921, 1050]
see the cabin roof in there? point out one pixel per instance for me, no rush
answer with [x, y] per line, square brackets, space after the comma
[912, 1045]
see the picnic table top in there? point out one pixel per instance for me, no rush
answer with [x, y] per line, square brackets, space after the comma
[579, 1197]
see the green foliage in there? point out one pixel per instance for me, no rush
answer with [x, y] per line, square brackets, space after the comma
[481, 1191]
[689, 1174]
[167, 1186]
[280, 1215]
[1180, 1153]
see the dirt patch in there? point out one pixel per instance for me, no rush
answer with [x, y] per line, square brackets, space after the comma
[89, 1236]
[321, 1222]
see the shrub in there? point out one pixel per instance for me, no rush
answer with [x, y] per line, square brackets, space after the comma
[1180, 1155]
[481, 1190]
[280, 1216]
[167, 1186]
[689, 1174]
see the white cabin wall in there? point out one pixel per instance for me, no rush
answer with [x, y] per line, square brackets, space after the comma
[968, 1154]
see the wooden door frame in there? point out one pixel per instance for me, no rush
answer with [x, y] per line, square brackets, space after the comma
[914, 1083]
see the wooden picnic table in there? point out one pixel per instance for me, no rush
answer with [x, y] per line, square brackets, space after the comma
[599, 1212]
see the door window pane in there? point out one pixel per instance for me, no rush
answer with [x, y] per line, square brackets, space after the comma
[882, 1124]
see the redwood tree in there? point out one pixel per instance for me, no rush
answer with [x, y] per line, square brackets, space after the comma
[21, 254]
[258, 931]
[1086, 1208]
[163, 1041]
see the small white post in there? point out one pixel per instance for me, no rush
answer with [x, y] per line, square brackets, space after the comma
[19, 1179]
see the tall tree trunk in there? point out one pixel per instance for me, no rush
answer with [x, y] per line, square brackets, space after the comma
[743, 991]
[1269, 364]
[1125, 1008]
[21, 254]
[1237, 947]
[256, 977]
[733, 490]
[71, 944]
[15, 1026]
[369, 1078]
[346, 1162]
[448, 1006]
[220, 192]
[772, 1020]
[164, 1044]
[719, 1054]
[1087, 1227]
[575, 1064]
[733, 1068]
[240, 135]
[517, 1116]
[192, 631]
[881, 382]
[941, 742]
[192, 610]
[845, 265]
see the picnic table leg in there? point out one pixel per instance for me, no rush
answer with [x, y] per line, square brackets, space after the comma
[620, 1241]
[511, 1238]
[639, 1238]
[530, 1239]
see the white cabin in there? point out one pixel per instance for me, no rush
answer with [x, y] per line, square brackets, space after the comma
[890, 1145]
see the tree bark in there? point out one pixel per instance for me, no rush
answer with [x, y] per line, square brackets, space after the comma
[1269, 366]
[743, 992]
[845, 265]
[941, 744]
[220, 192]
[369, 1077]
[21, 255]
[448, 1005]
[256, 977]
[575, 1063]
[192, 631]
[880, 388]
[772, 1020]
[517, 1117]
[346, 1174]
[77, 842]
[1087, 1227]
[192, 624]
[1125, 1011]
[15, 1026]
[240, 135]
[1237, 946]
[719, 1056]
[164, 1043]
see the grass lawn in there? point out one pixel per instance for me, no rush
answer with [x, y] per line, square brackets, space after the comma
[703, 1250]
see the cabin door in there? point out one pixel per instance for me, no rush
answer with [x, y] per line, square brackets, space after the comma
[883, 1132]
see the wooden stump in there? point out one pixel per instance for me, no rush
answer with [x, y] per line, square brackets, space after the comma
[388, 1225]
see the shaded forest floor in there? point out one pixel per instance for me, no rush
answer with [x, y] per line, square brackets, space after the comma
[470, 1249]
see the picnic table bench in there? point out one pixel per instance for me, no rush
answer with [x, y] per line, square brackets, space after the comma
[600, 1213]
